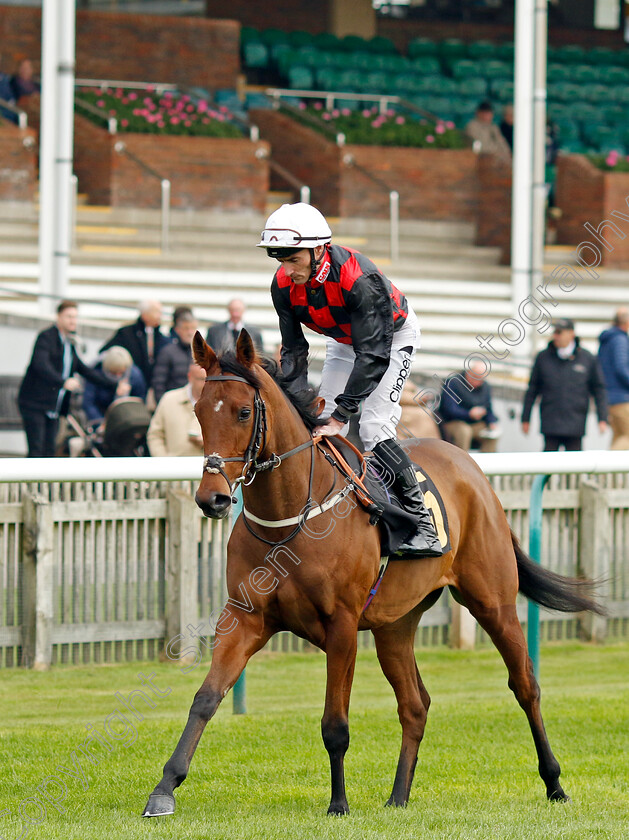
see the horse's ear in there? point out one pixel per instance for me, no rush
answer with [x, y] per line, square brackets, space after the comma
[245, 349]
[319, 405]
[202, 353]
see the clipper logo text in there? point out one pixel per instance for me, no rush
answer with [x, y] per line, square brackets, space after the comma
[396, 390]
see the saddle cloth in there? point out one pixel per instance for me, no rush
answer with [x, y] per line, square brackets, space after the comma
[396, 525]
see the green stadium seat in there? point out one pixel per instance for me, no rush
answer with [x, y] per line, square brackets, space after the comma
[505, 52]
[598, 135]
[278, 50]
[425, 64]
[300, 78]
[351, 81]
[463, 68]
[482, 50]
[249, 33]
[424, 84]
[558, 72]
[613, 75]
[326, 41]
[377, 82]
[307, 57]
[452, 49]
[564, 92]
[583, 73]
[408, 83]
[473, 86]
[602, 55]
[255, 55]
[567, 129]
[300, 38]
[353, 43]
[441, 107]
[595, 93]
[502, 89]
[493, 69]
[379, 44]
[615, 114]
[327, 78]
[572, 147]
[421, 47]
[444, 86]
[274, 36]
[619, 94]
[571, 54]
[393, 63]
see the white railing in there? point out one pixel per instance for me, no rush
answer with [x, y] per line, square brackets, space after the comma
[592, 462]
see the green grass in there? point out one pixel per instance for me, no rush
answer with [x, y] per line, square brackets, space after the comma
[265, 775]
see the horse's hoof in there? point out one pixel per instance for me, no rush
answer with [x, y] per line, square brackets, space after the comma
[558, 795]
[393, 803]
[338, 810]
[159, 805]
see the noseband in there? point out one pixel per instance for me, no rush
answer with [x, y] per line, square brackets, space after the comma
[215, 463]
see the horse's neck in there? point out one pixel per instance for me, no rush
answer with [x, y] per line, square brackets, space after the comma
[283, 492]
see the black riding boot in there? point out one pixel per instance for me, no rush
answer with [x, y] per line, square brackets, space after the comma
[424, 542]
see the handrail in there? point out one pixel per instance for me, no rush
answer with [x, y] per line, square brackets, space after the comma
[383, 99]
[112, 122]
[109, 83]
[394, 204]
[22, 116]
[121, 149]
[304, 190]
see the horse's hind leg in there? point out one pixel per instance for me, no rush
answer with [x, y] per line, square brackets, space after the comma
[394, 645]
[504, 628]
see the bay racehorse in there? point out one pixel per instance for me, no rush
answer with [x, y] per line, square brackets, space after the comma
[303, 557]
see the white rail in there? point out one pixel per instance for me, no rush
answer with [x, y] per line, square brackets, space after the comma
[190, 469]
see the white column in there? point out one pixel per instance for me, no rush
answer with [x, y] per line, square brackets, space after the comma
[57, 131]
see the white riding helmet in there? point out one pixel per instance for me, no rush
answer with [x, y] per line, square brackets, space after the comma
[293, 227]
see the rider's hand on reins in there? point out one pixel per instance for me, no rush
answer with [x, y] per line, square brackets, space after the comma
[331, 427]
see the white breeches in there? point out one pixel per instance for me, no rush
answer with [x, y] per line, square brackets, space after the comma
[381, 410]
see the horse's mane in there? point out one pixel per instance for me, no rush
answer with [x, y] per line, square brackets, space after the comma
[303, 400]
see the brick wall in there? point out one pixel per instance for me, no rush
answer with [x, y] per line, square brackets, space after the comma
[306, 154]
[182, 50]
[92, 160]
[205, 173]
[432, 184]
[338, 189]
[493, 221]
[18, 164]
[288, 15]
[585, 194]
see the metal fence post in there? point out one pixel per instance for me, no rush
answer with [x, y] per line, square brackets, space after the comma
[394, 205]
[239, 690]
[165, 213]
[535, 550]
[38, 581]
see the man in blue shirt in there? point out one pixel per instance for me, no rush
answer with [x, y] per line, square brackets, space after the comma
[613, 355]
[465, 408]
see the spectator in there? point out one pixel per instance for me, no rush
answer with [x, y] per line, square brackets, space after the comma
[565, 376]
[506, 125]
[177, 314]
[416, 421]
[142, 339]
[6, 93]
[613, 355]
[125, 380]
[44, 394]
[171, 367]
[22, 81]
[484, 130]
[174, 429]
[466, 411]
[223, 337]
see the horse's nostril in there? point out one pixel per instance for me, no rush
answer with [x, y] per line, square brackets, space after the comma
[216, 505]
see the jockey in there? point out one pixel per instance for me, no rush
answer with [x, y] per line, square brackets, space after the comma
[372, 333]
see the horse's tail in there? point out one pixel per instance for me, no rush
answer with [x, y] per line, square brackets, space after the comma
[551, 590]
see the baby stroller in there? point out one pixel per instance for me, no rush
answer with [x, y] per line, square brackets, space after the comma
[126, 423]
[124, 434]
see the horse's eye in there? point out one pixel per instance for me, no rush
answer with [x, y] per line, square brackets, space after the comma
[244, 414]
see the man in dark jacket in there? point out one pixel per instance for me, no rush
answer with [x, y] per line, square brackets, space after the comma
[173, 362]
[223, 336]
[142, 339]
[466, 411]
[49, 380]
[613, 355]
[565, 376]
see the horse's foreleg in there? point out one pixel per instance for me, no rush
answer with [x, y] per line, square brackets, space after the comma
[394, 646]
[229, 658]
[503, 626]
[340, 649]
